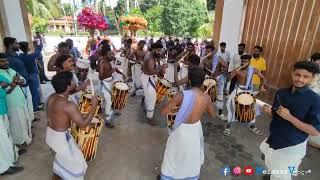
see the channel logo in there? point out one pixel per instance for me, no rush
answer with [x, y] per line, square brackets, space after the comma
[225, 171]
[248, 171]
[259, 170]
[237, 171]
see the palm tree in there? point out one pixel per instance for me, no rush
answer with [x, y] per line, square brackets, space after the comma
[44, 8]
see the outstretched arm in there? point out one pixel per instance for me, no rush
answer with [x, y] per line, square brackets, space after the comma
[74, 113]
[173, 103]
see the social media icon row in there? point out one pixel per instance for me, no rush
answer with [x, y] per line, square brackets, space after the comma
[237, 171]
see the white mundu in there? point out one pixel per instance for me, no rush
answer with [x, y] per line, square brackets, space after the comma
[106, 93]
[69, 162]
[136, 76]
[8, 151]
[150, 94]
[169, 75]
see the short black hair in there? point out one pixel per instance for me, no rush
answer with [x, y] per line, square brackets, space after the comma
[258, 47]
[189, 43]
[196, 76]
[3, 56]
[24, 46]
[210, 46]
[61, 81]
[129, 41]
[156, 45]
[307, 65]
[105, 49]
[141, 42]
[61, 59]
[223, 44]
[246, 56]
[104, 42]
[63, 45]
[7, 41]
[242, 45]
[315, 56]
[194, 59]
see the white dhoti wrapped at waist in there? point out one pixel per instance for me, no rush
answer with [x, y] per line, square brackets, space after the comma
[69, 162]
[184, 153]
[281, 159]
[169, 75]
[149, 89]
[8, 151]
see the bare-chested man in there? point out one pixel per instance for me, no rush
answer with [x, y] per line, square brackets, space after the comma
[63, 48]
[215, 67]
[137, 56]
[172, 53]
[194, 61]
[149, 78]
[65, 62]
[184, 154]
[183, 72]
[244, 83]
[69, 162]
[106, 69]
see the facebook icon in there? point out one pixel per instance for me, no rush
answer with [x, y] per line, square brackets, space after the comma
[225, 171]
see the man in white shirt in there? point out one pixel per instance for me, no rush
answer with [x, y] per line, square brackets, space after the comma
[235, 62]
[224, 55]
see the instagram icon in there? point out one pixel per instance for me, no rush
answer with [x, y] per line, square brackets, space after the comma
[237, 171]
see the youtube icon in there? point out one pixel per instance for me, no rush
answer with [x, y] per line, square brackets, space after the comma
[248, 171]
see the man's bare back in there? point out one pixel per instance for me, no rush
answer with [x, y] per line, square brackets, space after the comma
[202, 103]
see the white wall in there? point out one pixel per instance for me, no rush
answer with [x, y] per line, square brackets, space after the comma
[231, 24]
[14, 19]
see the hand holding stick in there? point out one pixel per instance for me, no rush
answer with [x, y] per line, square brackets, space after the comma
[206, 56]
[91, 83]
[181, 59]
[209, 88]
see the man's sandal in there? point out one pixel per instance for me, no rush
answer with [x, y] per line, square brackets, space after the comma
[226, 132]
[256, 130]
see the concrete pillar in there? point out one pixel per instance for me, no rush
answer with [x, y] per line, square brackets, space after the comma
[14, 20]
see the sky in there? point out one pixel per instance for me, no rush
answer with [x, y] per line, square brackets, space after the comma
[113, 2]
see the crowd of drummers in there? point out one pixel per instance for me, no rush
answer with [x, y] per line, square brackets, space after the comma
[185, 78]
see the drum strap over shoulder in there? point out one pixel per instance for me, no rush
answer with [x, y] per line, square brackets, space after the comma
[151, 83]
[105, 88]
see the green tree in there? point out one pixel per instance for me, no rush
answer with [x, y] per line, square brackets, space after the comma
[136, 12]
[145, 5]
[211, 5]
[120, 9]
[39, 24]
[153, 17]
[183, 18]
[44, 8]
[68, 9]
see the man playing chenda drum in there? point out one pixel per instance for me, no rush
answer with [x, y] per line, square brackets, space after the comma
[184, 152]
[69, 162]
[149, 79]
[137, 55]
[106, 69]
[244, 84]
[215, 67]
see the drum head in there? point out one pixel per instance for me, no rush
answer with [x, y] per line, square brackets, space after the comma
[209, 82]
[82, 65]
[245, 99]
[121, 86]
[95, 120]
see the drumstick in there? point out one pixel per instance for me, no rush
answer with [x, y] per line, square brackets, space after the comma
[209, 88]
[206, 56]
[181, 59]
[208, 69]
[91, 83]
[167, 57]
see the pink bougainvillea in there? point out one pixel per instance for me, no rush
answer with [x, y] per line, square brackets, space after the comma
[91, 20]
